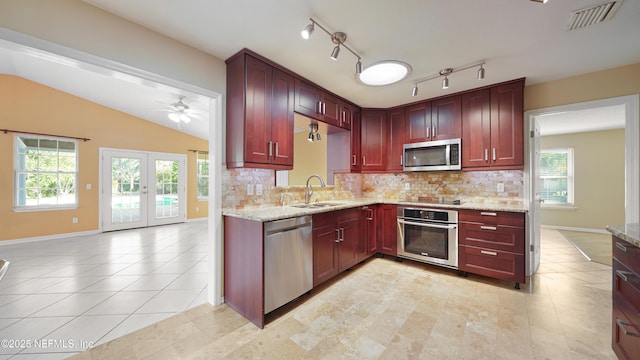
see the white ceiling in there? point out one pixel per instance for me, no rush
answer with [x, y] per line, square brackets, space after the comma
[516, 38]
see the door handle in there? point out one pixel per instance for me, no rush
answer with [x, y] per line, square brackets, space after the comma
[276, 148]
[354, 161]
[488, 227]
[494, 154]
[270, 148]
[433, 132]
[364, 160]
[342, 236]
[621, 246]
[337, 235]
[622, 325]
[492, 253]
[486, 154]
[428, 129]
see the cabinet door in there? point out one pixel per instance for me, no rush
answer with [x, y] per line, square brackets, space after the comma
[476, 128]
[446, 118]
[418, 123]
[371, 229]
[373, 140]
[325, 259]
[356, 157]
[396, 138]
[282, 118]
[348, 245]
[507, 137]
[330, 109]
[346, 114]
[387, 230]
[258, 111]
[306, 99]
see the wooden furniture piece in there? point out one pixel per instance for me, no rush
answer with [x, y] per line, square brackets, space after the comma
[260, 101]
[492, 243]
[625, 336]
[373, 138]
[388, 229]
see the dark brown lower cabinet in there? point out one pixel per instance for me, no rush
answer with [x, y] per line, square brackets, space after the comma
[335, 243]
[367, 241]
[625, 336]
[387, 229]
[492, 244]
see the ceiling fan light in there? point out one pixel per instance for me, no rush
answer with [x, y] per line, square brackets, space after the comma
[184, 118]
[174, 116]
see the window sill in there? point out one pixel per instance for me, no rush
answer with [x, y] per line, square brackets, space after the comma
[559, 207]
[38, 209]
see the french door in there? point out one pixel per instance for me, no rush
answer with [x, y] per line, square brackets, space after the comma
[140, 189]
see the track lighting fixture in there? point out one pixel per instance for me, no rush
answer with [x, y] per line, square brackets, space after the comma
[313, 129]
[446, 72]
[338, 38]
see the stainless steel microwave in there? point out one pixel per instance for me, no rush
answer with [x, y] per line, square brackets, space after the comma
[432, 155]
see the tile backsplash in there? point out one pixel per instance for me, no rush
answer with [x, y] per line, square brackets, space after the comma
[478, 187]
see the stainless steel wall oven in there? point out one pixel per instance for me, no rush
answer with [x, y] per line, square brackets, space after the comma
[428, 235]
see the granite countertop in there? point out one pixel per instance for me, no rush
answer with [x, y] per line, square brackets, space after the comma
[271, 213]
[628, 232]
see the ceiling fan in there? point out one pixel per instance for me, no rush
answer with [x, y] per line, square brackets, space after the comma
[180, 112]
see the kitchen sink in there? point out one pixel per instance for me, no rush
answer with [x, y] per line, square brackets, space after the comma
[315, 205]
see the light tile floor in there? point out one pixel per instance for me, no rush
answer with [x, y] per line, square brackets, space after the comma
[388, 310]
[92, 289]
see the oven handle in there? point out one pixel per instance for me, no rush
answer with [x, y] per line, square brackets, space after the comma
[452, 226]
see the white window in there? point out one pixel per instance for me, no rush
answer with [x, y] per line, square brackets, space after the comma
[46, 173]
[203, 175]
[556, 177]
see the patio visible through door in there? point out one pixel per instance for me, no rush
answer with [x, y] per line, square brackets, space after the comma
[141, 189]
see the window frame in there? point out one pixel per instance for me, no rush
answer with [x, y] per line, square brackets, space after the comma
[570, 204]
[199, 176]
[16, 172]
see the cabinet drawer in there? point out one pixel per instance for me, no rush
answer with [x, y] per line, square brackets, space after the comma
[495, 237]
[626, 287]
[492, 217]
[493, 263]
[626, 253]
[625, 335]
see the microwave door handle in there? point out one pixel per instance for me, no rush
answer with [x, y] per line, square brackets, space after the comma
[402, 221]
[448, 154]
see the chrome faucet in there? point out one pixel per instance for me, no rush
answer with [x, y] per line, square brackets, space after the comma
[308, 191]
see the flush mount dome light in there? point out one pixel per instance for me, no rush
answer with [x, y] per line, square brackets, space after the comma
[385, 73]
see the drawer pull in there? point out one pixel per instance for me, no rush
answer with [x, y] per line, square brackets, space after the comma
[488, 227]
[623, 275]
[621, 246]
[622, 325]
[488, 213]
[493, 253]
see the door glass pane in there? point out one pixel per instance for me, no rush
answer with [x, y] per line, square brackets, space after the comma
[125, 190]
[166, 189]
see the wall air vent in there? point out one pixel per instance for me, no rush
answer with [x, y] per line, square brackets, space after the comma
[592, 15]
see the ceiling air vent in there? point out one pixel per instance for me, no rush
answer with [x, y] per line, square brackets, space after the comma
[592, 15]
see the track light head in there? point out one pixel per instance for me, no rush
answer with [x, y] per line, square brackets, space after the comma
[318, 136]
[414, 92]
[358, 67]
[335, 52]
[445, 83]
[481, 73]
[310, 138]
[308, 30]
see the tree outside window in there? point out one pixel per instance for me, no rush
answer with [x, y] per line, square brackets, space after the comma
[45, 172]
[203, 174]
[556, 177]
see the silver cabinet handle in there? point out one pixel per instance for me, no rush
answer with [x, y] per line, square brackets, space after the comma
[319, 107]
[486, 154]
[488, 227]
[344, 117]
[428, 129]
[364, 160]
[401, 160]
[621, 246]
[484, 213]
[494, 154]
[276, 148]
[324, 108]
[623, 324]
[492, 253]
[270, 148]
[337, 235]
[354, 160]
[433, 132]
[342, 232]
[623, 275]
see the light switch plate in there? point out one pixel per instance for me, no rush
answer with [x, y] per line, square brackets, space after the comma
[500, 187]
[407, 186]
[249, 189]
[258, 189]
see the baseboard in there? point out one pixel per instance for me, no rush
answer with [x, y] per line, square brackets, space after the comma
[198, 219]
[570, 228]
[48, 237]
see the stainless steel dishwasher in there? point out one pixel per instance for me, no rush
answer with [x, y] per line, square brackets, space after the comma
[288, 261]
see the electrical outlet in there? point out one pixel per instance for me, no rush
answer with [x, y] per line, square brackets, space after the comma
[88, 186]
[74, 220]
[407, 186]
[250, 189]
[197, 209]
[258, 189]
[500, 187]
[349, 186]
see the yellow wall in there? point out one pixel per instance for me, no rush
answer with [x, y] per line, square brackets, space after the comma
[599, 179]
[29, 106]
